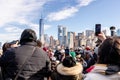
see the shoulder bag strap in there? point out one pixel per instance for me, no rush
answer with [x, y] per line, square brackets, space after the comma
[24, 64]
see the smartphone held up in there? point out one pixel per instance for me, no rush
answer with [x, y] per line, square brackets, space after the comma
[97, 29]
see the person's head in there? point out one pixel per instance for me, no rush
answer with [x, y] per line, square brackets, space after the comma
[71, 49]
[62, 51]
[45, 49]
[28, 35]
[69, 67]
[88, 48]
[14, 43]
[58, 48]
[54, 64]
[39, 43]
[69, 61]
[109, 51]
[78, 58]
[5, 46]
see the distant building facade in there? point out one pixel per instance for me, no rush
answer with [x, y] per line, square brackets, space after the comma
[52, 42]
[70, 40]
[81, 35]
[118, 32]
[46, 40]
[89, 33]
[60, 34]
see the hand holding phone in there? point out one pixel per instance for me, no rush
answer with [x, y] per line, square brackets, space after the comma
[101, 36]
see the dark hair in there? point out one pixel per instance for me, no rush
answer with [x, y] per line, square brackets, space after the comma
[5, 46]
[109, 51]
[14, 42]
[69, 61]
[39, 43]
[28, 35]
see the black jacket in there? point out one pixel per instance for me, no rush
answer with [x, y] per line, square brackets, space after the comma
[12, 60]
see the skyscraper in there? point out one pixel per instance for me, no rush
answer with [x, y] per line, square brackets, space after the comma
[62, 35]
[118, 32]
[65, 39]
[41, 30]
[51, 41]
[70, 40]
[46, 40]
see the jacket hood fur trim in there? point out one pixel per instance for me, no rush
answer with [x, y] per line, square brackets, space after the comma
[78, 68]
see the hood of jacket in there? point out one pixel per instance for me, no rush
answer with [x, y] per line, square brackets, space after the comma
[77, 69]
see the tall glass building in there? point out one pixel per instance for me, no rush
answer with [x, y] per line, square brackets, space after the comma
[41, 30]
[62, 35]
[70, 40]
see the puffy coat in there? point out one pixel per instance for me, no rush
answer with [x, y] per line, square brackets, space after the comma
[12, 60]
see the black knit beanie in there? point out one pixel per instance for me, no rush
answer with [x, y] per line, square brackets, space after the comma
[69, 61]
[28, 35]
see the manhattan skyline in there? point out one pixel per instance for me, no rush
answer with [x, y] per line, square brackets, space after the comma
[75, 15]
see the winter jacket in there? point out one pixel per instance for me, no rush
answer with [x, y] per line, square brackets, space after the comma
[98, 72]
[13, 59]
[68, 73]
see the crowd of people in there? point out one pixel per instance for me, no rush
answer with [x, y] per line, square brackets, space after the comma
[27, 59]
